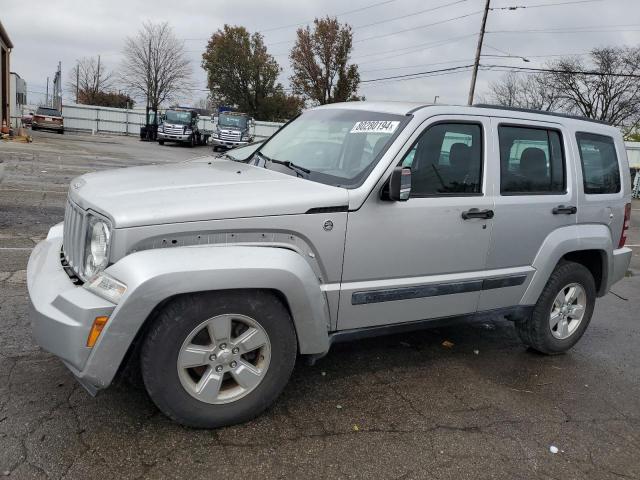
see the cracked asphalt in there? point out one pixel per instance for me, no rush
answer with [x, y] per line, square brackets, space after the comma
[403, 406]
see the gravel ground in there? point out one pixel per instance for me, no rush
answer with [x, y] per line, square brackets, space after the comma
[402, 406]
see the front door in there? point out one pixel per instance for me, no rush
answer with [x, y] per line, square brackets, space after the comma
[420, 259]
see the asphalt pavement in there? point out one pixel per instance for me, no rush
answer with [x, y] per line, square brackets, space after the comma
[404, 406]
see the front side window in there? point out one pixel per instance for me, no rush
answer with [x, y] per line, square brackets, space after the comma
[600, 170]
[446, 160]
[531, 161]
[332, 146]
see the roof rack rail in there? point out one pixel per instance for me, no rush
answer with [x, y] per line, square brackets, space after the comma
[541, 112]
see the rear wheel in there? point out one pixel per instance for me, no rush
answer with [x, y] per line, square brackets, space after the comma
[563, 311]
[215, 359]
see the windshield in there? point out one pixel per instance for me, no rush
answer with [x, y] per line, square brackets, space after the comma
[49, 112]
[337, 146]
[229, 120]
[173, 116]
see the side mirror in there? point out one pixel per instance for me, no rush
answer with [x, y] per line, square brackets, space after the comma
[399, 186]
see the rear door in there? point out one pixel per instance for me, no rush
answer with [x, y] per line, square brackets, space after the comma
[420, 259]
[535, 194]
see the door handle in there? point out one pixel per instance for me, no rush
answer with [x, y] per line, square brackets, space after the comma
[476, 213]
[564, 210]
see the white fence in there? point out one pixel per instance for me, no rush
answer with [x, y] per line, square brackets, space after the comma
[122, 121]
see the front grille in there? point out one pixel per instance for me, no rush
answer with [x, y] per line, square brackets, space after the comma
[74, 236]
[233, 135]
[173, 130]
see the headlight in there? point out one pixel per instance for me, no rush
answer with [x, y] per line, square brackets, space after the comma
[96, 252]
[245, 138]
[106, 287]
[161, 128]
[188, 131]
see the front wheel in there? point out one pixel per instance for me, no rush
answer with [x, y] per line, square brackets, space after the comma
[216, 359]
[160, 142]
[563, 311]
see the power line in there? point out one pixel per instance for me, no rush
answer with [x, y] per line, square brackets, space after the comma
[561, 71]
[436, 74]
[419, 12]
[415, 66]
[410, 50]
[419, 27]
[583, 29]
[539, 5]
[337, 15]
[306, 22]
[408, 75]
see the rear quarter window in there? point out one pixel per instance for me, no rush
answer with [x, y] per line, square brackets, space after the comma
[600, 169]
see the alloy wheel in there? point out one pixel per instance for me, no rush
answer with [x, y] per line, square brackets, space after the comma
[224, 358]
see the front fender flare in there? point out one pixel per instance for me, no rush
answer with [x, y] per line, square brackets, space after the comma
[152, 276]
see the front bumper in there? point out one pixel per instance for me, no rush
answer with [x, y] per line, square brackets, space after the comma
[171, 137]
[47, 126]
[62, 313]
[229, 143]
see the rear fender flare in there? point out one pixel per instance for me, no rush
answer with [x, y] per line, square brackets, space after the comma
[560, 242]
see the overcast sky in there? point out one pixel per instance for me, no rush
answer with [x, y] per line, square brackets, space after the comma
[46, 32]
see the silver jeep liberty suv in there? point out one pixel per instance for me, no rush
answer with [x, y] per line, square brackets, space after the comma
[353, 220]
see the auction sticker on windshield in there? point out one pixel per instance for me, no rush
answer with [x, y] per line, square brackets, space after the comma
[375, 126]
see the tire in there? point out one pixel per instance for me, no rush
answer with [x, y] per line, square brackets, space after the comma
[170, 385]
[61, 132]
[537, 331]
[160, 142]
[192, 142]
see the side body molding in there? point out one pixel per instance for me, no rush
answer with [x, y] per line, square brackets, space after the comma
[152, 276]
[564, 240]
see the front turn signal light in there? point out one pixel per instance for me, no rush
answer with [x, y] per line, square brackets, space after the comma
[96, 329]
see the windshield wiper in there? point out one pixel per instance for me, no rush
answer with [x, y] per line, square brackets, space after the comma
[290, 165]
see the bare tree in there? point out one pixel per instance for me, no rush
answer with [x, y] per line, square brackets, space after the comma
[525, 91]
[155, 64]
[89, 80]
[320, 63]
[607, 90]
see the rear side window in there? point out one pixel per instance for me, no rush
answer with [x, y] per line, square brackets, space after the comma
[446, 160]
[531, 161]
[600, 171]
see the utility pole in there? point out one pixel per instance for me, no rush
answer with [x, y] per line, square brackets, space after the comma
[77, 80]
[46, 101]
[97, 86]
[474, 75]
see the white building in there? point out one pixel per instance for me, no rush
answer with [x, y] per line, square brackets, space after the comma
[633, 154]
[17, 98]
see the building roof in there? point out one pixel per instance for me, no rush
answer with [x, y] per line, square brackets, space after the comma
[4, 36]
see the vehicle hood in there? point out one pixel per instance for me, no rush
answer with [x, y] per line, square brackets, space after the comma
[194, 191]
